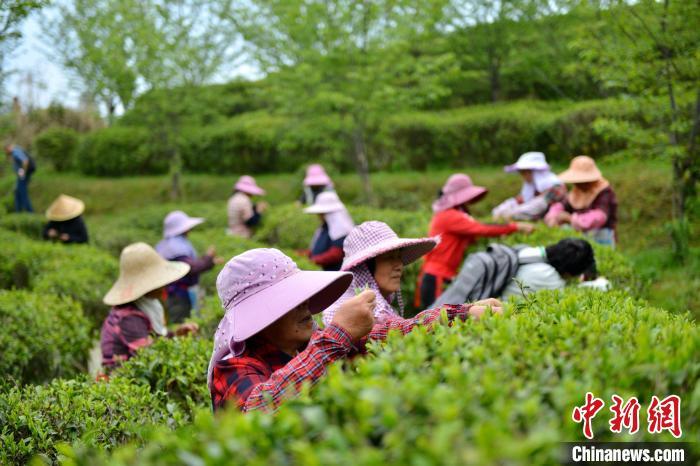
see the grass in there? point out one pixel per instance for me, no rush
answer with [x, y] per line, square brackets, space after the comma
[643, 189]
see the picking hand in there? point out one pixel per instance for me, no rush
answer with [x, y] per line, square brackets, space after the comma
[188, 328]
[477, 309]
[356, 315]
[52, 233]
[525, 227]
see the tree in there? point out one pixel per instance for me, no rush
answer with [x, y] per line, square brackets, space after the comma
[357, 62]
[651, 49]
[122, 48]
[12, 13]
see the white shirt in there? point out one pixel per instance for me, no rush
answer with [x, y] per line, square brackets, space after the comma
[534, 274]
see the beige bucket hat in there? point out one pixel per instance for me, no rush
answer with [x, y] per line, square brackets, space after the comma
[582, 169]
[142, 270]
[65, 208]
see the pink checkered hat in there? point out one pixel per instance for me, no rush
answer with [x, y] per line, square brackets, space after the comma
[371, 239]
[247, 185]
[316, 176]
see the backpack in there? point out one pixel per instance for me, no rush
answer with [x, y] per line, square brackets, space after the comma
[31, 167]
[483, 275]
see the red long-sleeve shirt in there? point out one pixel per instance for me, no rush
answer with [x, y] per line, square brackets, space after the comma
[457, 230]
[263, 376]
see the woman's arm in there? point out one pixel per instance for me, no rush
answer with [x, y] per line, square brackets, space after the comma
[252, 390]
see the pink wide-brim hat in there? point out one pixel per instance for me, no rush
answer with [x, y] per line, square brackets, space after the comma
[373, 238]
[457, 190]
[248, 185]
[529, 161]
[316, 176]
[326, 202]
[177, 222]
[260, 286]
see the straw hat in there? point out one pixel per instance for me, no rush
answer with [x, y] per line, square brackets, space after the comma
[178, 222]
[65, 208]
[372, 239]
[316, 176]
[326, 202]
[529, 161]
[142, 270]
[247, 185]
[457, 190]
[581, 170]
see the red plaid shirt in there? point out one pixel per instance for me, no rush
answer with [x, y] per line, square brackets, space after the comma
[263, 375]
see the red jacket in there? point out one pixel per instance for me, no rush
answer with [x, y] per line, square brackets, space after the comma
[458, 230]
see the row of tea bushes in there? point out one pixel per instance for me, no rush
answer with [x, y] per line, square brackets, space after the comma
[37, 420]
[79, 271]
[43, 336]
[497, 391]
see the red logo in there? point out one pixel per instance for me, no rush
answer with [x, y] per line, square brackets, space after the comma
[587, 412]
[665, 415]
[626, 416]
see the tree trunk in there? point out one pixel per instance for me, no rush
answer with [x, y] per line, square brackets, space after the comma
[361, 162]
[495, 78]
[175, 171]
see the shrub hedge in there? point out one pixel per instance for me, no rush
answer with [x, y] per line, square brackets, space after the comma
[118, 151]
[80, 271]
[497, 391]
[57, 145]
[43, 336]
[35, 420]
[174, 366]
[260, 142]
[31, 225]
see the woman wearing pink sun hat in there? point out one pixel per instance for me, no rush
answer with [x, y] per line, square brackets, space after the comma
[243, 214]
[457, 231]
[267, 345]
[316, 182]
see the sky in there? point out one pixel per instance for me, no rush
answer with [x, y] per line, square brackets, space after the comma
[32, 62]
[32, 57]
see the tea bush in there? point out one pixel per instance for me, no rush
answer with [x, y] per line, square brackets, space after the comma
[31, 225]
[497, 391]
[43, 336]
[80, 271]
[57, 145]
[174, 366]
[35, 420]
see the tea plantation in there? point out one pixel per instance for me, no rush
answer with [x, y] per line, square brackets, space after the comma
[496, 391]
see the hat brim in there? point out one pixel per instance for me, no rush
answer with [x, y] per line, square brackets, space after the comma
[412, 250]
[571, 176]
[323, 209]
[317, 181]
[188, 225]
[264, 308]
[252, 190]
[78, 209]
[525, 166]
[470, 194]
[129, 289]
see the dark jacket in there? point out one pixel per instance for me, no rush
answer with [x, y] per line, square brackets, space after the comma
[74, 228]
